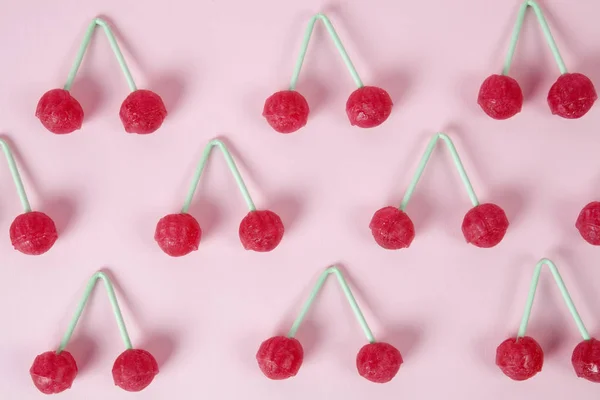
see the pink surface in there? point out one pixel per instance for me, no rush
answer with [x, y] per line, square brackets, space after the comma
[445, 304]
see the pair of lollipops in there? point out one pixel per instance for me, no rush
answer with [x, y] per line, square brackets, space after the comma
[53, 372]
[571, 96]
[521, 357]
[142, 111]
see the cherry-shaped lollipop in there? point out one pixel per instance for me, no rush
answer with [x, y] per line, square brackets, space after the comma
[142, 112]
[134, 370]
[33, 232]
[586, 360]
[54, 371]
[522, 357]
[179, 234]
[280, 357]
[483, 226]
[571, 96]
[588, 223]
[378, 362]
[287, 110]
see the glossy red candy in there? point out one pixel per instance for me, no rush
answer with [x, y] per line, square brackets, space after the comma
[59, 112]
[261, 230]
[368, 107]
[520, 358]
[286, 111]
[178, 234]
[280, 357]
[392, 229]
[378, 362]
[485, 225]
[586, 360]
[134, 370]
[142, 112]
[33, 233]
[588, 223]
[572, 96]
[500, 97]
[53, 373]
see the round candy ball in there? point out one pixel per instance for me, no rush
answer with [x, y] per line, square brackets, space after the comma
[134, 370]
[368, 107]
[59, 112]
[586, 360]
[378, 362]
[53, 373]
[178, 234]
[485, 225]
[500, 97]
[520, 358]
[392, 228]
[588, 223]
[572, 96]
[261, 230]
[142, 112]
[286, 111]
[33, 233]
[280, 357]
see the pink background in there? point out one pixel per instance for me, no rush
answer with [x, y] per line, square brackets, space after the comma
[445, 304]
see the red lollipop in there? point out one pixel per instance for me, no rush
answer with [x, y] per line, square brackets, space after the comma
[588, 223]
[500, 97]
[134, 370]
[392, 228]
[280, 357]
[142, 112]
[179, 234]
[572, 96]
[261, 230]
[59, 112]
[586, 360]
[54, 371]
[287, 110]
[33, 232]
[484, 225]
[378, 362]
[520, 358]
[368, 107]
